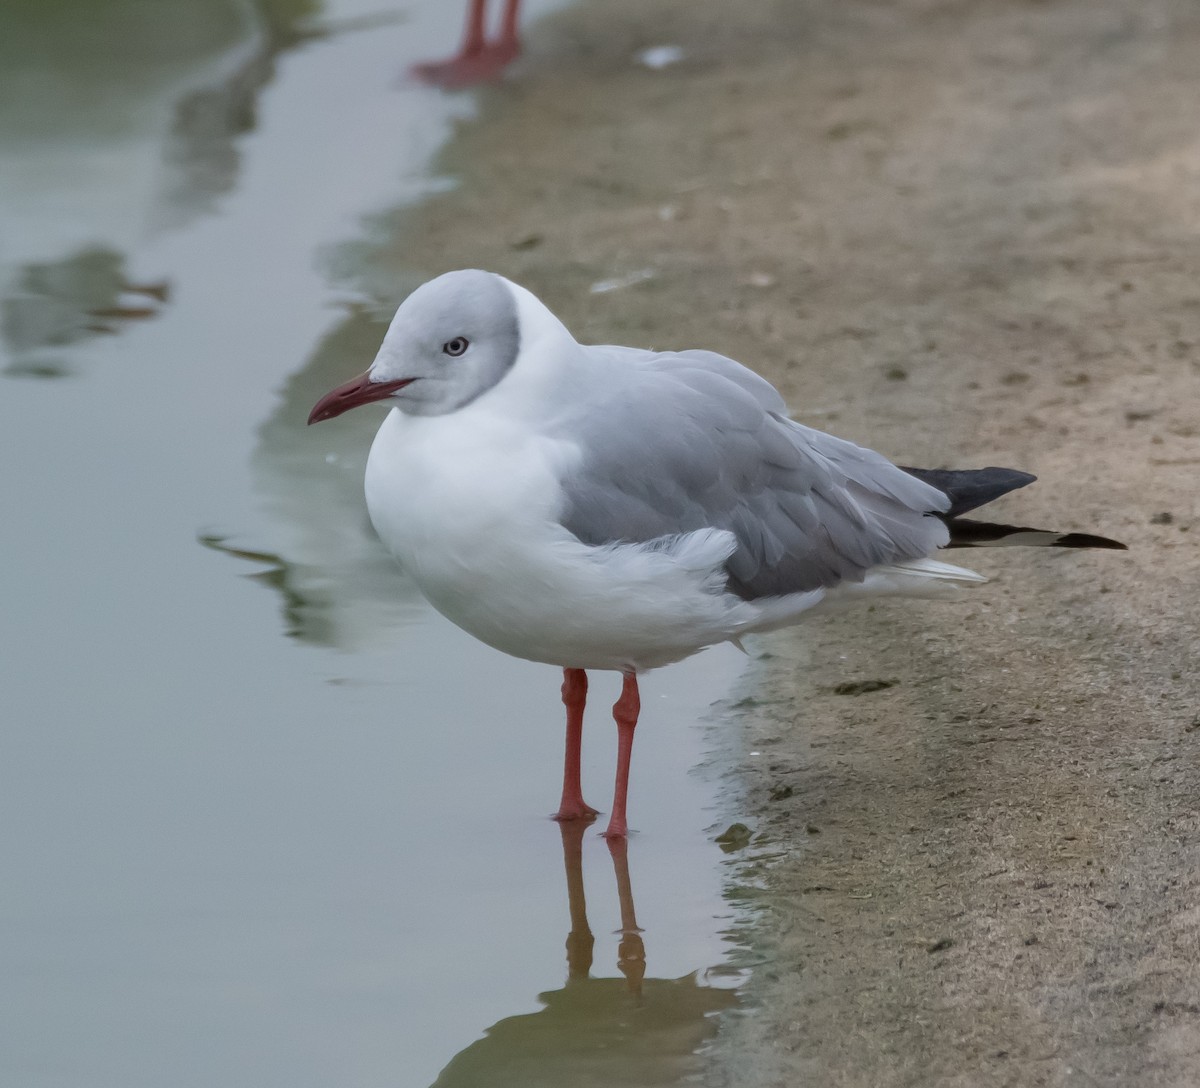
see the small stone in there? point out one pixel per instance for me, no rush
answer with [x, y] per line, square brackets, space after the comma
[862, 687]
[734, 837]
[658, 57]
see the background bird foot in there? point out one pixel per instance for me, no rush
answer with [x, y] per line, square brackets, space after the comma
[483, 65]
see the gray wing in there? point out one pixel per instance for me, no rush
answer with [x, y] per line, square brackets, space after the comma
[691, 440]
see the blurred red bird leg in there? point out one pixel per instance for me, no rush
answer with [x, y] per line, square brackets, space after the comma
[479, 60]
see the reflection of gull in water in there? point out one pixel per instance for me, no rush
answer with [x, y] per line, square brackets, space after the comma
[59, 303]
[203, 64]
[336, 582]
[597, 1032]
[302, 616]
[202, 155]
[193, 72]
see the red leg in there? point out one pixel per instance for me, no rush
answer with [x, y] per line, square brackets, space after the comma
[574, 696]
[478, 60]
[474, 39]
[509, 40]
[625, 713]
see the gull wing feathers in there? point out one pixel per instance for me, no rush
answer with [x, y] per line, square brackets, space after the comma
[691, 440]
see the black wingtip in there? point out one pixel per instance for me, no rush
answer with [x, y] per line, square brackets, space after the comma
[1089, 540]
[968, 489]
[966, 533]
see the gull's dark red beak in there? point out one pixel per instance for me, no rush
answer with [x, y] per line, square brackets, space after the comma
[360, 390]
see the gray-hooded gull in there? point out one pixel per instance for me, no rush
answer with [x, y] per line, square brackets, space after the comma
[601, 507]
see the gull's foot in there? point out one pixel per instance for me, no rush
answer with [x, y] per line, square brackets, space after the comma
[580, 811]
[617, 832]
[482, 65]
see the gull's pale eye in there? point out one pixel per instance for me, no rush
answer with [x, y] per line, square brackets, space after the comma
[456, 347]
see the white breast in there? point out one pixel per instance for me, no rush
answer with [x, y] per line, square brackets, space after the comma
[469, 504]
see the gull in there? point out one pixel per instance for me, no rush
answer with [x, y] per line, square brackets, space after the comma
[603, 507]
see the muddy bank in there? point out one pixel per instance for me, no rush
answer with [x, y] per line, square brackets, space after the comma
[963, 234]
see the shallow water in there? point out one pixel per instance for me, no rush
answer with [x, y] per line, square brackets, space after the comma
[266, 818]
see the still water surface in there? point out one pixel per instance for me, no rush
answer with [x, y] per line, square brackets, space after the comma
[265, 818]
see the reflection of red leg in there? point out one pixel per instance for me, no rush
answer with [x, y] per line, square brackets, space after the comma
[478, 60]
[580, 939]
[625, 713]
[631, 953]
[574, 696]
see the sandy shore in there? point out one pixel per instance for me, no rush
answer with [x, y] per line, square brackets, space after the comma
[965, 234]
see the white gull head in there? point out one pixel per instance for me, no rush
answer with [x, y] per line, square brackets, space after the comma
[451, 340]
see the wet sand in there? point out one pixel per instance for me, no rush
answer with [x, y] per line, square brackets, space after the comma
[964, 234]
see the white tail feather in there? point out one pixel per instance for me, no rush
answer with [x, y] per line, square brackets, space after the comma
[914, 578]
